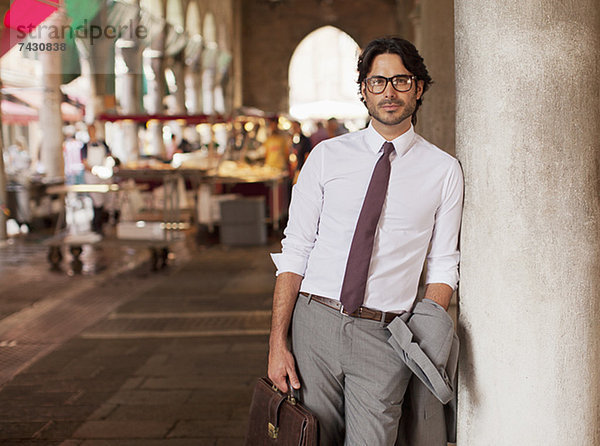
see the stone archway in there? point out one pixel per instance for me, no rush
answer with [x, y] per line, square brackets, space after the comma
[322, 76]
[268, 40]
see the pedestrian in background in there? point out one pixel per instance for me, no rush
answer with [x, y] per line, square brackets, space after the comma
[18, 169]
[319, 135]
[94, 154]
[72, 157]
[301, 147]
[276, 147]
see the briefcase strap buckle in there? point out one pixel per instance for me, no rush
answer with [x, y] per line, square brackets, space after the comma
[291, 398]
[273, 431]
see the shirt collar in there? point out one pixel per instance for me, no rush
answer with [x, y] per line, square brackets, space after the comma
[401, 144]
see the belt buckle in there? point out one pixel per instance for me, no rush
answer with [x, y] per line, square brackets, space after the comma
[342, 311]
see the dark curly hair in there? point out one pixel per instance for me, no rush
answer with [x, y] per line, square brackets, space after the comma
[411, 59]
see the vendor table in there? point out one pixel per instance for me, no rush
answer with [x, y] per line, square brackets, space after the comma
[204, 183]
[276, 186]
[64, 237]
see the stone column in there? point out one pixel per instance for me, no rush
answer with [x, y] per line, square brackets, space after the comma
[156, 88]
[129, 49]
[96, 57]
[193, 86]
[178, 68]
[3, 191]
[209, 65]
[236, 43]
[528, 137]
[193, 75]
[51, 123]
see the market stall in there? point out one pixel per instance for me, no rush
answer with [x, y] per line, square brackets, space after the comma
[226, 168]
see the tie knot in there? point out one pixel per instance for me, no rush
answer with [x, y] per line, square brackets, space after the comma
[388, 148]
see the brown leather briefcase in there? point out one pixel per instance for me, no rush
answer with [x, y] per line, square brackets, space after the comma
[279, 419]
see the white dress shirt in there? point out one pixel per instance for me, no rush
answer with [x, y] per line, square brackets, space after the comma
[422, 209]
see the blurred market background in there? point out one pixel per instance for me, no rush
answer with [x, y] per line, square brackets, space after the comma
[180, 92]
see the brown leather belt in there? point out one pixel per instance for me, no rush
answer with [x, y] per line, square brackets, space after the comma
[361, 312]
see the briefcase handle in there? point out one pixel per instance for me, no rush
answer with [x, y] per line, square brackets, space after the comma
[292, 394]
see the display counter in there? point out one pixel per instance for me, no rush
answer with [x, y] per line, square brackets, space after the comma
[207, 184]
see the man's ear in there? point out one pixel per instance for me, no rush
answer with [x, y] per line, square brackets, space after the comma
[420, 89]
[362, 90]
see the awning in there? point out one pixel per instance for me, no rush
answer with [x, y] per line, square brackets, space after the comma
[13, 113]
[28, 101]
[71, 113]
[190, 119]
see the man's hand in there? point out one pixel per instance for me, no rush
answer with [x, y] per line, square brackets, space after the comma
[281, 366]
[440, 293]
[281, 360]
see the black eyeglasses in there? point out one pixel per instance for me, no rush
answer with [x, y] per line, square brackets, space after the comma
[400, 82]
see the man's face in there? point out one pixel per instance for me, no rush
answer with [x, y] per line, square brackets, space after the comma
[391, 108]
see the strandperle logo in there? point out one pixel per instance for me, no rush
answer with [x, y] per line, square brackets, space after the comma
[25, 18]
[82, 31]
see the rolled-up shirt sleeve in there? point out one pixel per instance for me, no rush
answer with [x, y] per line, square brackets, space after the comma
[443, 257]
[303, 221]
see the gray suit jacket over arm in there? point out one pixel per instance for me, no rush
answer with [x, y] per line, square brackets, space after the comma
[429, 346]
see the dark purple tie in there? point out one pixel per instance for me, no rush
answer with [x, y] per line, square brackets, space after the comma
[361, 249]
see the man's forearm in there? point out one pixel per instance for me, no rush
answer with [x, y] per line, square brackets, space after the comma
[286, 291]
[440, 293]
[281, 361]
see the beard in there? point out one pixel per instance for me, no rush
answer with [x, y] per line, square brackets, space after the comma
[405, 110]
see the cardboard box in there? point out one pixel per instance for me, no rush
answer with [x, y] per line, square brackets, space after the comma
[243, 222]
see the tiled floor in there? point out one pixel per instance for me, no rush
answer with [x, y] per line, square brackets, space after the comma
[135, 358]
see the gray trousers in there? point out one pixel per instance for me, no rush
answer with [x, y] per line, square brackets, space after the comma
[352, 379]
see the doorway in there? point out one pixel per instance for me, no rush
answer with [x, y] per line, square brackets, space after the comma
[322, 79]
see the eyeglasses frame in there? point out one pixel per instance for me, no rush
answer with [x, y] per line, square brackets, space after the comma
[388, 80]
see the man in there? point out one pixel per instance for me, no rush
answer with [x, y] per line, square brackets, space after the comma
[72, 157]
[18, 166]
[319, 135]
[276, 147]
[348, 267]
[334, 128]
[301, 146]
[94, 154]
